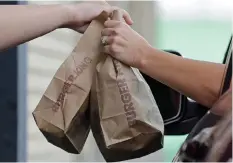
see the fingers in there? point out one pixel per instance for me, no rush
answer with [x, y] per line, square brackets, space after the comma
[112, 23]
[126, 15]
[114, 45]
[113, 34]
[114, 40]
[116, 33]
[127, 18]
[108, 32]
[113, 27]
[111, 49]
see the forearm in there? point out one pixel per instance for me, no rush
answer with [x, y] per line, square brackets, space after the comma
[198, 80]
[21, 23]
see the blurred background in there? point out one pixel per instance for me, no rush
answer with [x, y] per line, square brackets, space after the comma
[198, 29]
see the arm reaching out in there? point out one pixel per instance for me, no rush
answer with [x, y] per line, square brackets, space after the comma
[198, 80]
[22, 23]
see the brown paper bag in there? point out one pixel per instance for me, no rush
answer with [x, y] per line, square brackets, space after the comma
[125, 118]
[62, 113]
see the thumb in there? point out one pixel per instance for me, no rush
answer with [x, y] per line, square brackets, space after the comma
[125, 14]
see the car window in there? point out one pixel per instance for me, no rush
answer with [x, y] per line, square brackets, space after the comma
[198, 30]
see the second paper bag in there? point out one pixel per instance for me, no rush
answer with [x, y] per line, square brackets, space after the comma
[125, 118]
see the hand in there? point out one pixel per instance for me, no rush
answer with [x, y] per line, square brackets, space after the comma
[123, 43]
[82, 14]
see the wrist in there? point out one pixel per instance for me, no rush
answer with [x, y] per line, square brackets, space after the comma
[60, 14]
[145, 57]
[69, 15]
[73, 14]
